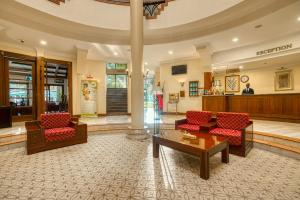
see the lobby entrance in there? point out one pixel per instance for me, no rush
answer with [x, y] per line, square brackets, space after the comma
[117, 89]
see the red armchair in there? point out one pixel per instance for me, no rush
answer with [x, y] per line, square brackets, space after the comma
[239, 130]
[54, 130]
[193, 121]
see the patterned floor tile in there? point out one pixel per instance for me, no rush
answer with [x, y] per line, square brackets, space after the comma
[112, 167]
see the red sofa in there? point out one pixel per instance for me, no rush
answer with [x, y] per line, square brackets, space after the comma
[239, 130]
[53, 131]
[193, 120]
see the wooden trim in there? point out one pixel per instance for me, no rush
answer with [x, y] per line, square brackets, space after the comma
[278, 136]
[18, 56]
[2, 80]
[70, 88]
[276, 145]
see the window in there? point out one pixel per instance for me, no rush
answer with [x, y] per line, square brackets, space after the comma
[117, 81]
[116, 66]
[53, 93]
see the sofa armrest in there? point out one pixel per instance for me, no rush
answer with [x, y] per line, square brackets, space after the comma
[208, 126]
[178, 122]
[81, 131]
[73, 124]
[74, 119]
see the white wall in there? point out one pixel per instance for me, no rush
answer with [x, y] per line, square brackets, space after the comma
[195, 72]
[97, 69]
[262, 80]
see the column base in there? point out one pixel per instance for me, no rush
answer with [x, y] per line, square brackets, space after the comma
[138, 134]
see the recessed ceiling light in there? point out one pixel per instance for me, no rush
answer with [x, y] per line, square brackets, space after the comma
[43, 42]
[214, 68]
[171, 52]
[146, 63]
[298, 19]
[241, 67]
[235, 39]
[115, 53]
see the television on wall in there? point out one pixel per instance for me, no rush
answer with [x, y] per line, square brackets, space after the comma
[179, 69]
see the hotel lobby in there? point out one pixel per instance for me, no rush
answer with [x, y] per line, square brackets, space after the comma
[150, 99]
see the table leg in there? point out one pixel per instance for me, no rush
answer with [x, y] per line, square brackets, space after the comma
[155, 149]
[204, 165]
[225, 155]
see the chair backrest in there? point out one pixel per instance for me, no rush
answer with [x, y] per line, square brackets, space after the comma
[198, 117]
[230, 120]
[55, 120]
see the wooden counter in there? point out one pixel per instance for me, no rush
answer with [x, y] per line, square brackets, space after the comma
[278, 107]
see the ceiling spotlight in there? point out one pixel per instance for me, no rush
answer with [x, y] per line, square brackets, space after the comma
[241, 67]
[298, 19]
[115, 53]
[43, 42]
[235, 39]
[22, 41]
[146, 63]
[171, 52]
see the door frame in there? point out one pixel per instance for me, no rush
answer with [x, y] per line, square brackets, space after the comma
[4, 85]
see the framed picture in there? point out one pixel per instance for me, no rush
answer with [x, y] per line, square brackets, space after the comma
[232, 83]
[283, 80]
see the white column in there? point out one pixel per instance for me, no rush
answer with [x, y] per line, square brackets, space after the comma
[137, 79]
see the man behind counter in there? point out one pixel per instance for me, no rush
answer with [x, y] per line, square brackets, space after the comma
[247, 90]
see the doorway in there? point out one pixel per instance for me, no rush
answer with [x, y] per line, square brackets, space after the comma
[57, 86]
[117, 89]
[20, 82]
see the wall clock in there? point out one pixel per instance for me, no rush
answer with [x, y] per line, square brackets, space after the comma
[244, 79]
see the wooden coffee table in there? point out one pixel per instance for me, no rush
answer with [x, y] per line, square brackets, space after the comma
[204, 146]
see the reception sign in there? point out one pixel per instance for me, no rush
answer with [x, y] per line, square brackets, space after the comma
[88, 97]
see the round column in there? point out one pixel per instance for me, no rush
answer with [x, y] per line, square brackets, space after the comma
[137, 75]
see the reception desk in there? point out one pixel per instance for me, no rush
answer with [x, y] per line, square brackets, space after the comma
[279, 107]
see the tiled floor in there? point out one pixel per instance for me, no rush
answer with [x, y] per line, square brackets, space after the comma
[112, 167]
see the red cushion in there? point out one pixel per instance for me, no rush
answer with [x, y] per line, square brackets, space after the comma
[198, 117]
[55, 120]
[230, 120]
[59, 134]
[189, 127]
[234, 136]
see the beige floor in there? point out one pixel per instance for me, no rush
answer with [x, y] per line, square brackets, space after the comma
[112, 167]
[273, 127]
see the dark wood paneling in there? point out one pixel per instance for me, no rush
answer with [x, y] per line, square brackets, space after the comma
[214, 103]
[207, 80]
[278, 107]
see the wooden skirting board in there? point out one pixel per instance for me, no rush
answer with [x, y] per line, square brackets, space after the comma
[277, 136]
[276, 145]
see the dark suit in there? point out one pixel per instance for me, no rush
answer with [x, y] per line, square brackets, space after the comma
[247, 91]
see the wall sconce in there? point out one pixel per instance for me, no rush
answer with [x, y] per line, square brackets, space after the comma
[182, 83]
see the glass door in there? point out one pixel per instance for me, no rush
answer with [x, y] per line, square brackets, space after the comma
[56, 87]
[21, 89]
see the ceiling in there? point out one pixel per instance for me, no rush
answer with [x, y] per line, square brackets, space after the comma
[212, 22]
[11, 32]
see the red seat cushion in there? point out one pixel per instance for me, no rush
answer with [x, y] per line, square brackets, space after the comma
[189, 127]
[198, 117]
[234, 136]
[59, 134]
[55, 120]
[230, 120]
